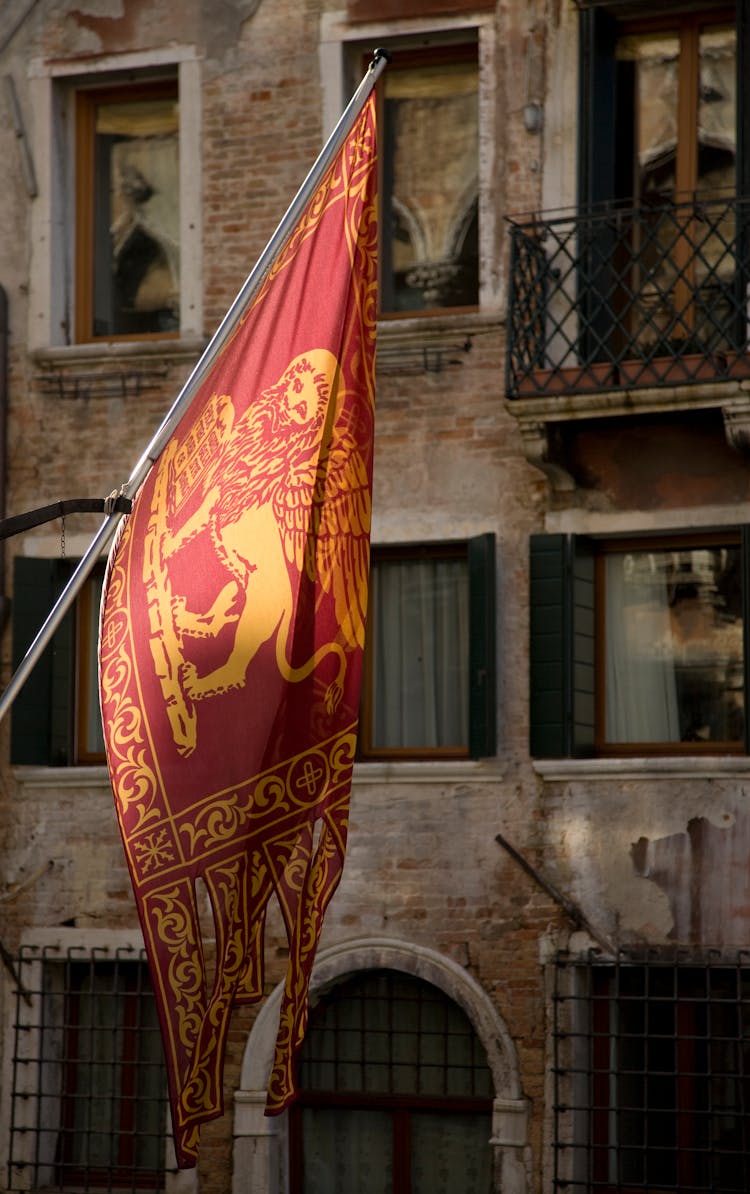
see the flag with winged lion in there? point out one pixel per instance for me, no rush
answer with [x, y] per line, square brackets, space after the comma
[231, 641]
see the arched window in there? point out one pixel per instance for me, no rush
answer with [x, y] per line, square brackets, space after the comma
[395, 1094]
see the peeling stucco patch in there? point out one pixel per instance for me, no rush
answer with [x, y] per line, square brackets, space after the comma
[705, 873]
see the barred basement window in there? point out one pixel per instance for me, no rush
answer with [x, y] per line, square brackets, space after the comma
[88, 1106]
[652, 1074]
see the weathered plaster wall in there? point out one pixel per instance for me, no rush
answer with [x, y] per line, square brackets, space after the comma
[654, 858]
[648, 856]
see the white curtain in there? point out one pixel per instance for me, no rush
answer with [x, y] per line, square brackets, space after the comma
[450, 1155]
[347, 1151]
[421, 612]
[641, 693]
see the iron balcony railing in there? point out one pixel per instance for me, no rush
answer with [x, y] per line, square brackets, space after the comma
[625, 297]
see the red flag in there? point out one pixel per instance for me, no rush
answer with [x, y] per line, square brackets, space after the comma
[231, 642]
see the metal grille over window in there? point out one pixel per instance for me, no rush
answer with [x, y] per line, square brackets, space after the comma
[89, 1106]
[395, 1093]
[652, 1073]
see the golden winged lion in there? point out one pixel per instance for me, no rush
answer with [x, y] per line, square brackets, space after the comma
[280, 492]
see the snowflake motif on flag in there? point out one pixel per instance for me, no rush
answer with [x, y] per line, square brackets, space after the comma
[155, 850]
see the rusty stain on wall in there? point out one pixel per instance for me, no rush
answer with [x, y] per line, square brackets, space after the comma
[661, 462]
[113, 32]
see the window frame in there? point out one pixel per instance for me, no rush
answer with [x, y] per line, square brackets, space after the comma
[591, 1065]
[86, 697]
[603, 549]
[409, 57]
[599, 29]
[565, 660]
[401, 1106]
[123, 1067]
[479, 553]
[341, 48]
[605, 176]
[52, 91]
[48, 715]
[36, 1027]
[86, 101]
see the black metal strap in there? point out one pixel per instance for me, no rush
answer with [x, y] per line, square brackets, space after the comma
[35, 518]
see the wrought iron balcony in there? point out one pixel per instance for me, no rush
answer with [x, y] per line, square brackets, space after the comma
[629, 297]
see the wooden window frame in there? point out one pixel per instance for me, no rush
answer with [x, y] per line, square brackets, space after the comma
[688, 27]
[48, 715]
[86, 102]
[566, 644]
[604, 549]
[479, 554]
[85, 651]
[406, 555]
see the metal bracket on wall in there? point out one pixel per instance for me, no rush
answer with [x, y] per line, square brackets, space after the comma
[572, 911]
[34, 518]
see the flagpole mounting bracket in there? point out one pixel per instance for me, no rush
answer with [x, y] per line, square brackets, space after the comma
[116, 503]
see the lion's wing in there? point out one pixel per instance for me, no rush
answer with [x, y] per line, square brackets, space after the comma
[329, 533]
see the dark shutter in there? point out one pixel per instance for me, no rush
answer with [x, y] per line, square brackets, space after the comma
[41, 717]
[596, 108]
[745, 552]
[548, 736]
[743, 98]
[599, 140]
[482, 647]
[581, 557]
[561, 646]
[742, 272]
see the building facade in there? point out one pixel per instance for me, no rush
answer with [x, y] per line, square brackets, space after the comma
[535, 974]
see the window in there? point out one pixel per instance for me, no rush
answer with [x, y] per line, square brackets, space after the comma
[430, 183]
[116, 234]
[661, 103]
[638, 645]
[651, 1075]
[394, 1093]
[666, 86]
[55, 720]
[430, 655]
[89, 1091]
[127, 212]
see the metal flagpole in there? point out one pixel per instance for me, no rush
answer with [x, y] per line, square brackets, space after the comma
[252, 285]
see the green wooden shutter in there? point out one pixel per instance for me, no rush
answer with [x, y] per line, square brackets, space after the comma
[548, 723]
[482, 647]
[41, 717]
[581, 563]
[742, 166]
[600, 145]
[745, 573]
[561, 646]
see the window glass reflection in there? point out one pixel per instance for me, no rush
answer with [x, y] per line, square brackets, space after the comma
[430, 240]
[673, 646]
[136, 265]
